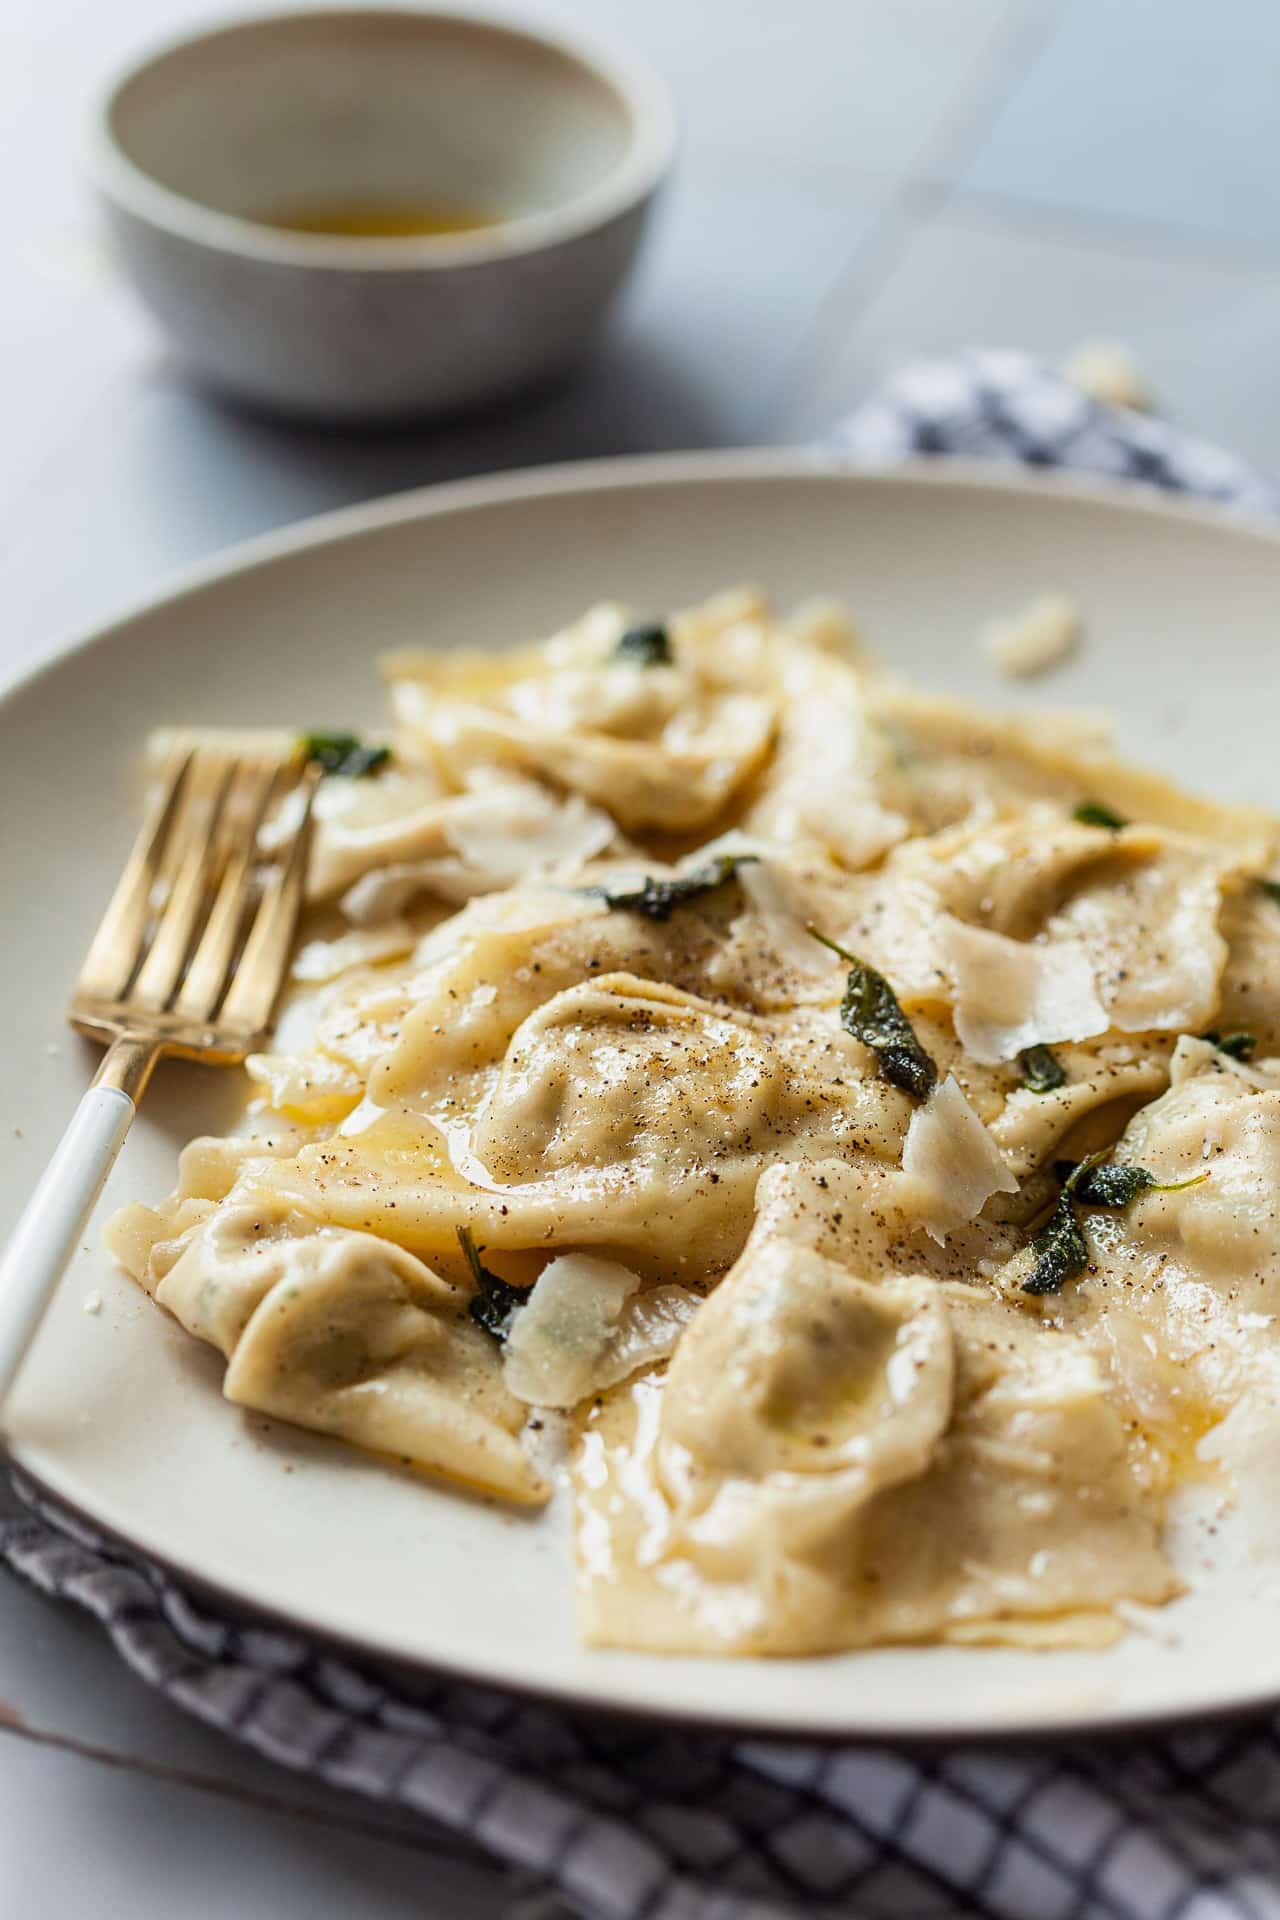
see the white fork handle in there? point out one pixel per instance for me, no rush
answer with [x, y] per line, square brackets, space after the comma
[52, 1221]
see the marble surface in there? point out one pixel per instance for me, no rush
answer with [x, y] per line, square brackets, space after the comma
[858, 183]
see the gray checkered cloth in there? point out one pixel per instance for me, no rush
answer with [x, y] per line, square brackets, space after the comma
[615, 1821]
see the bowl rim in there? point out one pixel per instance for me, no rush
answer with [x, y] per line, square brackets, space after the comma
[641, 92]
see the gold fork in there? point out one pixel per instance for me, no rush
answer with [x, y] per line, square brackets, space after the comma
[189, 960]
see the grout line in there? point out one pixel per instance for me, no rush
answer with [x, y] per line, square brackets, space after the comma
[1111, 231]
[1012, 47]
[1016, 43]
[263, 1801]
[872, 266]
[872, 263]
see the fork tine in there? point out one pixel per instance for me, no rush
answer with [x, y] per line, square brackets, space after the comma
[189, 860]
[113, 953]
[259, 974]
[211, 962]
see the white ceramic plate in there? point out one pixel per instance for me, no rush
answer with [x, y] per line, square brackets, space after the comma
[119, 1413]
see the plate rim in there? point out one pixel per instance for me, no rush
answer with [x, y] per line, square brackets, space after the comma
[1036, 1735]
[614, 474]
[820, 461]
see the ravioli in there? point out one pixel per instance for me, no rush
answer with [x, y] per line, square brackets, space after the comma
[835, 1462]
[889, 1291]
[1183, 1288]
[659, 745]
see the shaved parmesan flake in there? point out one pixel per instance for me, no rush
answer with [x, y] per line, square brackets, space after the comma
[951, 1155]
[1011, 994]
[1109, 374]
[359, 824]
[1044, 634]
[844, 814]
[784, 917]
[585, 1327]
[495, 835]
[389, 891]
[558, 1339]
[326, 959]
[547, 1438]
[648, 1328]
[511, 831]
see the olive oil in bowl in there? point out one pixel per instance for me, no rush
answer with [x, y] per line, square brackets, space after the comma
[380, 219]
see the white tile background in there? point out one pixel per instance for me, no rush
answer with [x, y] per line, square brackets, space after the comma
[859, 182]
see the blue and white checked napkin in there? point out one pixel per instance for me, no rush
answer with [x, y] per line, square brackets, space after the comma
[614, 1821]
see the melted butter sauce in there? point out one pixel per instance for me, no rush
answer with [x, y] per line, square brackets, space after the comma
[380, 219]
[622, 1426]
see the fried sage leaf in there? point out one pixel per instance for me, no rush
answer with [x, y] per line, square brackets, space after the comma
[1059, 1251]
[648, 645]
[1042, 1071]
[342, 753]
[1116, 1186]
[1092, 813]
[870, 1011]
[658, 899]
[494, 1299]
[1236, 1046]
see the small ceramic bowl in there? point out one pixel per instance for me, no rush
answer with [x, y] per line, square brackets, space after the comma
[202, 146]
